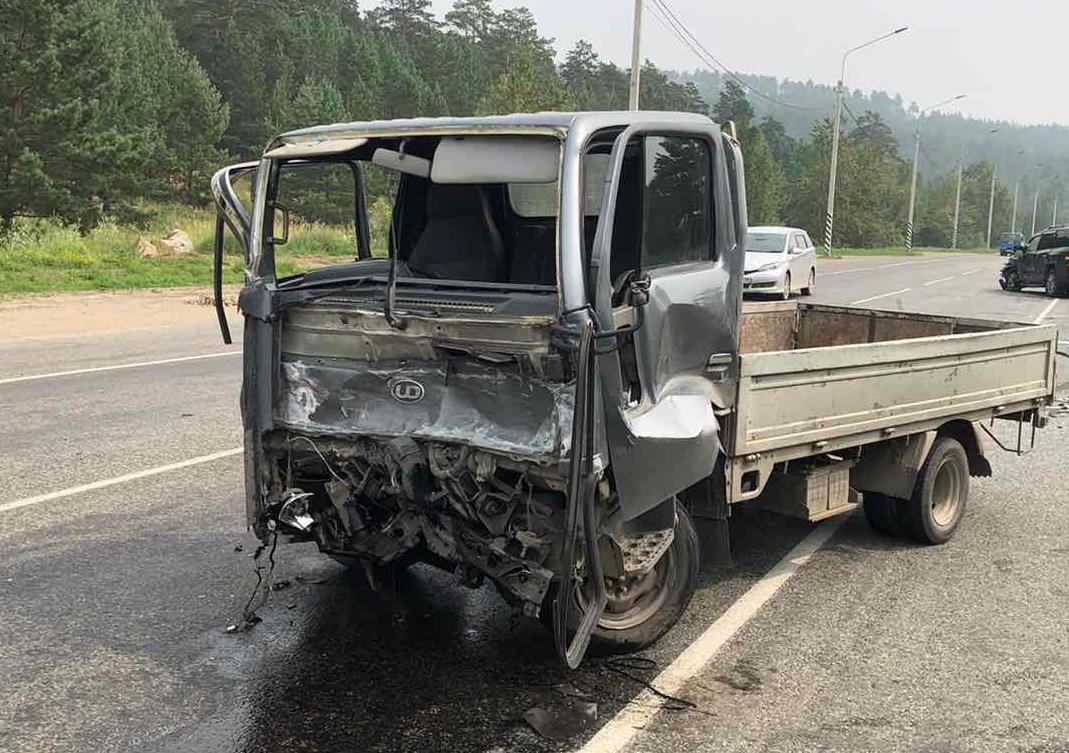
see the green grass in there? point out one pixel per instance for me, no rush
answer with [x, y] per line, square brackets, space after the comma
[901, 251]
[43, 256]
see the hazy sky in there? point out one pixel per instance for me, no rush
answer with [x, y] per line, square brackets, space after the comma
[1010, 58]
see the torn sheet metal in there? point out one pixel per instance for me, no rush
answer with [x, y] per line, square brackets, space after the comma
[488, 407]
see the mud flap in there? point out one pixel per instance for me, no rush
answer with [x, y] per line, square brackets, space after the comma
[708, 506]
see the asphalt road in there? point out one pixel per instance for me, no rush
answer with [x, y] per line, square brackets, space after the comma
[114, 601]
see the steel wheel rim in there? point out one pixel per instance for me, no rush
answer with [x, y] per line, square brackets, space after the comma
[946, 493]
[643, 598]
[1050, 285]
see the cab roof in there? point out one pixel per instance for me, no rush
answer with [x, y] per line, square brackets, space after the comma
[537, 122]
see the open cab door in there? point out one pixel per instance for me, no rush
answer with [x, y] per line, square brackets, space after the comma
[230, 214]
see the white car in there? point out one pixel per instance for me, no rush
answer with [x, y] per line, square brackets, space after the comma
[779, 261]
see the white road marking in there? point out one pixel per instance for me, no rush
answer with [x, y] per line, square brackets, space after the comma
[105, 483]
[888, 266]
[881, 295]
[972, 271]
[1047, 309]
[871, 269]
[632, 718]
[118, 367]
[941, 279]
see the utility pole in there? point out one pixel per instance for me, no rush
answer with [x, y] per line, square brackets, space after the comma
[829, 218]
[916, 162]
[991, 203]
[957, 202]
[913, 188]
[636, 57]
[1013, 218]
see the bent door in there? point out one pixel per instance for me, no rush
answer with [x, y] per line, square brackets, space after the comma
[674, 272]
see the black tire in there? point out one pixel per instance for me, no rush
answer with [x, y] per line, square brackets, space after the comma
[808, 289]
[1053, 287]
[786, 295]
[940, 493]
[886, 514]
[677, 569]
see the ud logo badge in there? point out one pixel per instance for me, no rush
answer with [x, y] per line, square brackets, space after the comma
[407, 391]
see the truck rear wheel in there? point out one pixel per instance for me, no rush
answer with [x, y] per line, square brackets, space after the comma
[939, 495]
[643, 608]
[885, 514]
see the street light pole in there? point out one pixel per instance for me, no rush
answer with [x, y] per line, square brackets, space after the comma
[1054, 214]
[636, 57]
[829, 218]
[957, 202]
[991, 204]
[1035, 208]
[1013, 219]
[916, 161]
[991, 201]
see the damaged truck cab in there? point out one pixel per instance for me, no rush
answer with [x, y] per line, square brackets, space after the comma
[520, 389]
[531, 368]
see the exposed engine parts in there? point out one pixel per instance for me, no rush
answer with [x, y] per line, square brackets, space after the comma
[391, 501]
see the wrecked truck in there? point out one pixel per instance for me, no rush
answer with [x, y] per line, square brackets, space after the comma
[533, 366]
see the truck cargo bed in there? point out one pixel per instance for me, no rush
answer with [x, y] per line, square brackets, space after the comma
[816, 378]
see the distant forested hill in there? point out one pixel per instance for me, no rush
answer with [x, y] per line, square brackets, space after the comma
[944, 136]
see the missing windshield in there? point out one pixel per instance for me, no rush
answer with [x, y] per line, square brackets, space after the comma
[417, 209]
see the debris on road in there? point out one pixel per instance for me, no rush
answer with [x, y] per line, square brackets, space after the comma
[563, 722]
[262, 588]
[244, 624]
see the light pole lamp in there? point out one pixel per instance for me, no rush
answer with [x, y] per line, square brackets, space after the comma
[916, 160]
[829, 218]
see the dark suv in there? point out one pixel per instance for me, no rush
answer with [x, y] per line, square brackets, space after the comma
[1044, 262]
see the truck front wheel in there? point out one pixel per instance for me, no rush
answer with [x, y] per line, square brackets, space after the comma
[942, 486]
[642, 608]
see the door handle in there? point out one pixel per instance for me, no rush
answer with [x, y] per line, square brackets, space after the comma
[717, 365]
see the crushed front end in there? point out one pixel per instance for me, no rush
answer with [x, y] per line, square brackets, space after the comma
[441, 441]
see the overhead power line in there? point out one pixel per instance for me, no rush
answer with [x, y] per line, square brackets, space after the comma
[674, 25]
[851, 114]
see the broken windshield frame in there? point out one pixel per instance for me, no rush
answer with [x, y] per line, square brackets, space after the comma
[263, 264]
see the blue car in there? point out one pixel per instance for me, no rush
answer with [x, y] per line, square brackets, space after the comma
[1010, 243]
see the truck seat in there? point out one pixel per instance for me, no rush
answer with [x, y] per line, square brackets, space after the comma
[460, 241]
